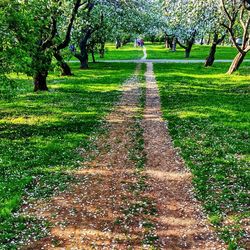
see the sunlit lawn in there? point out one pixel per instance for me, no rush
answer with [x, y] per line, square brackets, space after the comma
[158, 51]
[41, 132]
[126, 52]
[208, 114]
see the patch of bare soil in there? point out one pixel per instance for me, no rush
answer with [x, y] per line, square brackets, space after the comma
[90, 214]
[180, 223]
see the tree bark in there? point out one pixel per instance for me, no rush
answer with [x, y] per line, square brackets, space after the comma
[209, 39]
[174, 45]
[211, 57]
[65, 69]
[118, 44]
[40, 81]
[83, 56]
[236, 62]
[169, 42]
[189, 46]
[102, 50]
[202, 41]
[41, 63]
[93, 56]
[84, 59]
[188, 49]
[167, 45]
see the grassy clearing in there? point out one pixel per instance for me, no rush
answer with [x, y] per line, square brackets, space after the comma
[209, 119]
[158, 51]
[40, 134]
[127, 52]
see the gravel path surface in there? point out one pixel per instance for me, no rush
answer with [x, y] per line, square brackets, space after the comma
[144, 53]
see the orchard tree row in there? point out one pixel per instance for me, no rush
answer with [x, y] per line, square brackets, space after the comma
[189, 20]
[35, 33]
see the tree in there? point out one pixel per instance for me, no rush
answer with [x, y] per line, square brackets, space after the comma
[54, 36]
[108, 20]
[237, 11]
[87, 24]
[214, 29]
[185, 19]
[63, 43]
[14, 42]
[216, 41]
[46, 33]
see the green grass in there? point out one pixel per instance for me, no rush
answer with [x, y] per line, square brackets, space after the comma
[209, 119]
[41, 132]
[158, 51]
[127, 52]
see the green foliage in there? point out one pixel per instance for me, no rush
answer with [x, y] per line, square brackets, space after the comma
[41, 134]
[208, 115]
[8, 87]
[16, 37]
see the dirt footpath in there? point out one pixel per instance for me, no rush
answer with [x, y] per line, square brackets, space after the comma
[180, 223]
[116, 203]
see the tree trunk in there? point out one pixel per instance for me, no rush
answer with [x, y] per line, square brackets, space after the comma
[65, 69]
[236, 62]
[187, 52]
[167, 45]
[93, 56]
[209, 39]
[202, 41]
[188, 49]
[189, 46]
[102, 50]
[169, 42]
[40, 81]
[83, 60]
[83, 56]
[174, 45]
[118, 44]
[211, 57]
[41, 62]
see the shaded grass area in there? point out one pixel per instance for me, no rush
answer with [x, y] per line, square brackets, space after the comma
[41, 135]
[127, 52]
[209, 119]
[200, 52]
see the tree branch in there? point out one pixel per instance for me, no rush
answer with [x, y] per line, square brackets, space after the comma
[246, 33]
[180, 44]
[219, 41]
[53, 30]
[66, 40]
